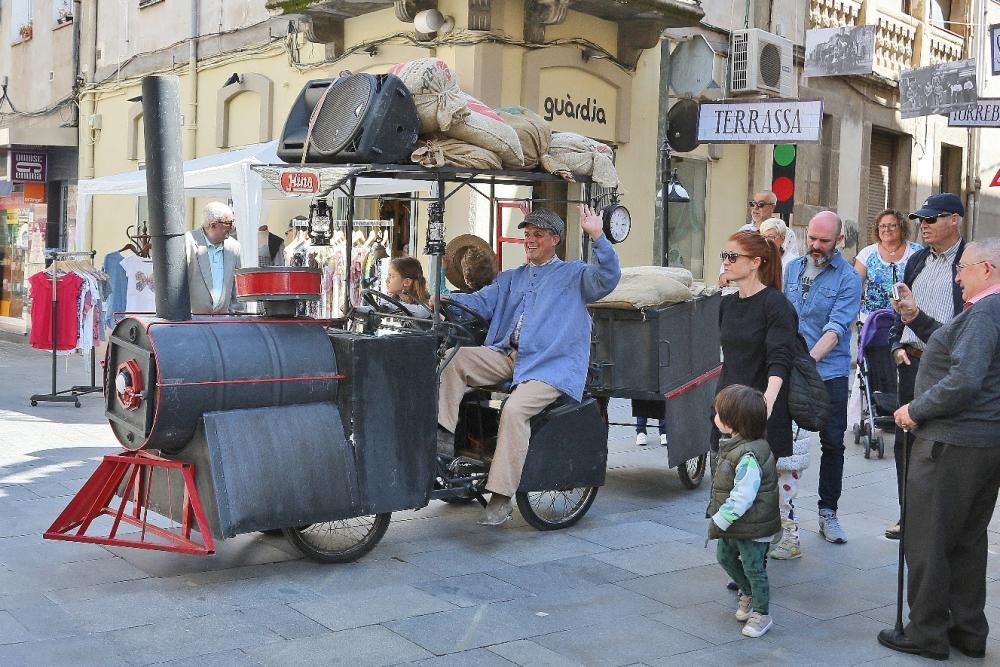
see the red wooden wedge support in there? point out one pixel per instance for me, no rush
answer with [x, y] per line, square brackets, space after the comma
[135, 469]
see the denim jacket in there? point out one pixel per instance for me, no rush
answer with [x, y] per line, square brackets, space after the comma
[554, 342]
[832, 305]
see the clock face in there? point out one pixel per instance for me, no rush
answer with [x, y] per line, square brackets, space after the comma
[617, 223]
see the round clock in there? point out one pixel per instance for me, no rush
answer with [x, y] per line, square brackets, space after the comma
[617, 223]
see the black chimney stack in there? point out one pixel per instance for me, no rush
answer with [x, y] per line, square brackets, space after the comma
[161, 115]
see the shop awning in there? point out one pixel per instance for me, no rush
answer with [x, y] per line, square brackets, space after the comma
[224, 175]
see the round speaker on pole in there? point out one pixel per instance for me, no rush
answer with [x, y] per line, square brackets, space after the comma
[682, 126]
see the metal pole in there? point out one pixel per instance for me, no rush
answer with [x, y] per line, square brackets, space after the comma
[664, 198]
[352, 185]
[161, 113]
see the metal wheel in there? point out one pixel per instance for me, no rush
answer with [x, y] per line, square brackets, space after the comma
[552, 510]
[692, 471]
[339, 541]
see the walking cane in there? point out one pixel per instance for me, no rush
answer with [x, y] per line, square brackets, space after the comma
[902, 531]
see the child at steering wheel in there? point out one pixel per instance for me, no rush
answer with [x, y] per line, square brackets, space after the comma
[406, 284]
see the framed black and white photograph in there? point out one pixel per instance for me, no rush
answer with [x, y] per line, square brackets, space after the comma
[995, 49]
[937, 89]
[840, 51]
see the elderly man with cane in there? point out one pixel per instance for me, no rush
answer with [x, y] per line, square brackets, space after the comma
[953, 476]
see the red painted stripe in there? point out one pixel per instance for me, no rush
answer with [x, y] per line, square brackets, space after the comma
[694, 384]
[278, 282]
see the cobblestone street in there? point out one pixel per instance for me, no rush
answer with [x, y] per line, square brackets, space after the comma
[631, 584]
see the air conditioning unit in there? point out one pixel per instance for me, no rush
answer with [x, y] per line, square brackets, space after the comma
[760, 62]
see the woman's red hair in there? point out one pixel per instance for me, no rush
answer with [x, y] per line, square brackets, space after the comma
[755, 245]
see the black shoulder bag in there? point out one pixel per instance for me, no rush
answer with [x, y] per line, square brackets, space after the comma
[808, 399]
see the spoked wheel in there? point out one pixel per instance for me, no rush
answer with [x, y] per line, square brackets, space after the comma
[692, 471]
[339, 541]
[552, 510]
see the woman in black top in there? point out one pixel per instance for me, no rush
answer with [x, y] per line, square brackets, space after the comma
[758, 330]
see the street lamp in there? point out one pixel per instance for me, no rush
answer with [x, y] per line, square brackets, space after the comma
[671, 190]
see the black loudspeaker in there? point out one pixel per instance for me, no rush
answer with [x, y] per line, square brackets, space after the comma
[358, 118]
[683, 126]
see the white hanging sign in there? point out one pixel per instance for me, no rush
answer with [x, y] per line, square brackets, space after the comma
[771, 121]
[986, 113]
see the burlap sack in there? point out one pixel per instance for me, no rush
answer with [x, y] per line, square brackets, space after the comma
[573, 154]
[482, 127]
[442, 151]
[648, 287]
[435, 91]
[533, 131]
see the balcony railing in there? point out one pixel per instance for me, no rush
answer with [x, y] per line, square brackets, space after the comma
[895, 40]
[834, 13]
[945, 45]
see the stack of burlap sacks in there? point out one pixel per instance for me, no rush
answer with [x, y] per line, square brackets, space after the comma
[643, 287]
[457, 130]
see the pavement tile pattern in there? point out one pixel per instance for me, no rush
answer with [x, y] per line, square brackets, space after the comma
[631, 584]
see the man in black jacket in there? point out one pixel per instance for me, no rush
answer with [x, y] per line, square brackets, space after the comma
[930, 274]
[954, 472]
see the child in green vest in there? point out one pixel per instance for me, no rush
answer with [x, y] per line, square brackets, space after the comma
[743, 510]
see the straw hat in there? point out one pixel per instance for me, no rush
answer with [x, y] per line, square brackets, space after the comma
[456, 249]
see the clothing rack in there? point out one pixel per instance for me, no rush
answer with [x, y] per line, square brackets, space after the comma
[72, 394]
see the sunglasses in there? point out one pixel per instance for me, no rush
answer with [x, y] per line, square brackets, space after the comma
[932, 220]
[731, 256]
[759, 204]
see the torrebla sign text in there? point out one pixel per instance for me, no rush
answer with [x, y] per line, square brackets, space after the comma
[776, 121]
[986, 113]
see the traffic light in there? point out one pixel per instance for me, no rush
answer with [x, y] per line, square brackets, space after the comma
[783, 177]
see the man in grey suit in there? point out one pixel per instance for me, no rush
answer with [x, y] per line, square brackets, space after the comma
[212, 257]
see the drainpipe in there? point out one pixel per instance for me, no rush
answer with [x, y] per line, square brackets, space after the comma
[191, 115]
[973, 183]
[85, 24]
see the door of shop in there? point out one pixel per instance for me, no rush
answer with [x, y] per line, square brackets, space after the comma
[881, 170]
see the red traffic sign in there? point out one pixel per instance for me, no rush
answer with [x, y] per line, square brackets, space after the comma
[996, 180]
[300, 182]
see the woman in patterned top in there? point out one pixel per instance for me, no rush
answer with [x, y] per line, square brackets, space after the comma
[881, 264]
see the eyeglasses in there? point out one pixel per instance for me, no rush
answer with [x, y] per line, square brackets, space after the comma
[730, 256]
[759, 204]
[226, 223]
[963, 267]
[887, 228]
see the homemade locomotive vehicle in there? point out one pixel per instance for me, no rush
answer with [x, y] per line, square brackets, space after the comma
[320, 432]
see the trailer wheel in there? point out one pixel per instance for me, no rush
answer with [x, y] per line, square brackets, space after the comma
[339, 541]
[552, 510]
[692, 471]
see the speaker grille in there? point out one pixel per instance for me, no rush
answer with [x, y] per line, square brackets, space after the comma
[770, 65]
[339, 119]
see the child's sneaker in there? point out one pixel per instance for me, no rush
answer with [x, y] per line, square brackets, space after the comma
[663, 439]
[640, 439]
[789, 546]
[757, 625]
[743, 607]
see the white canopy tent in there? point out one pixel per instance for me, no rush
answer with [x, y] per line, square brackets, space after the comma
[228, 175]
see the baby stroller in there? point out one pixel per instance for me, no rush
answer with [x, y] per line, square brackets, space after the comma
[877, 380]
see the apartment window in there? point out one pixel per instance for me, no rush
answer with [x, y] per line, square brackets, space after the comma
[62, 12]
[940, 13]
[20, 24]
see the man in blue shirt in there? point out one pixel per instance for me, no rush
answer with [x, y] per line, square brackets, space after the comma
[539, 338]
[826, 293]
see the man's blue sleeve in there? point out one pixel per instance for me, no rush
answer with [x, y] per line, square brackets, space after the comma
[602, 276]
[484, 302]
[846, 307]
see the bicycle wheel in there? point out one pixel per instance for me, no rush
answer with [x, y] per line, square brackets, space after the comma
[339, 541]
[552, 510]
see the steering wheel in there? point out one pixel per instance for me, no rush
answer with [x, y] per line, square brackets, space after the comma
[474, 320]
[377, 299]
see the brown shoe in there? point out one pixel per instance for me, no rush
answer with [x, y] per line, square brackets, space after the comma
[498, 511]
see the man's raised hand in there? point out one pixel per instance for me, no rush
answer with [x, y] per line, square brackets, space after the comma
[591, 221]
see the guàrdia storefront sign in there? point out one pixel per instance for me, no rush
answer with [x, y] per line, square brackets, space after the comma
[774, 121]
[572, 100]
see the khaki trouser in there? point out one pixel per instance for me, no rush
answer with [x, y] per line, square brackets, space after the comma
[481, 366]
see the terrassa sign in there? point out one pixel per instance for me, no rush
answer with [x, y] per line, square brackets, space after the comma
[775, 121]
[986, 113]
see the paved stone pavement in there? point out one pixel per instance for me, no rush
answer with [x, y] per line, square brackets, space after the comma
[631, 584]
